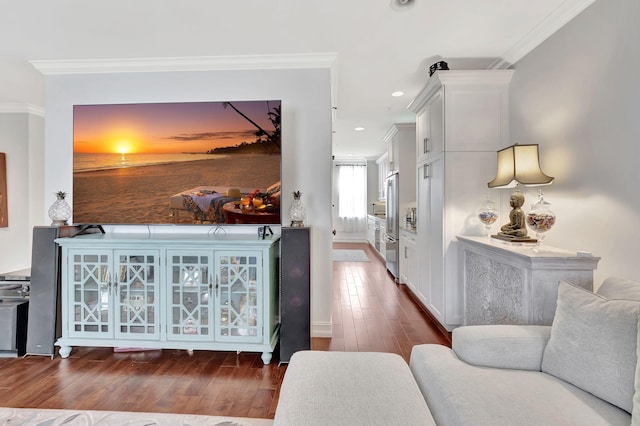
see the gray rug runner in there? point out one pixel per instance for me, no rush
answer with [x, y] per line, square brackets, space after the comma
[349, 256]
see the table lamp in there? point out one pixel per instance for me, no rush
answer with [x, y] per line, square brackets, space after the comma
[518, 164]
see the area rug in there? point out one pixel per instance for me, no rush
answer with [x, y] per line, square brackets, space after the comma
[45, 417]
[340, 255]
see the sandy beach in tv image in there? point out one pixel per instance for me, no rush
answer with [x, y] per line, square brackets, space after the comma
[131, 159]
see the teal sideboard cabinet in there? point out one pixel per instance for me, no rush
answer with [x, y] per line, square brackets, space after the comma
[170, 291]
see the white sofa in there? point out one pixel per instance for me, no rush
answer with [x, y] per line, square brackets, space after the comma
[579, 371]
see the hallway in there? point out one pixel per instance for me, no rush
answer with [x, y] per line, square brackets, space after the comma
[372, 313]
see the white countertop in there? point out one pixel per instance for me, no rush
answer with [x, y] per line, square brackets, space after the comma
[531, 252]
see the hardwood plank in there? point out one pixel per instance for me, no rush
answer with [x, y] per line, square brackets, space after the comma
[370, 313]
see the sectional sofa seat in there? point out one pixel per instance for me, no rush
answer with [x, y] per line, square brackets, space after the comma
[581, 370]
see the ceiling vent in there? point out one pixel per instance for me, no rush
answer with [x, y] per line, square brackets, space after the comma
[402, 4]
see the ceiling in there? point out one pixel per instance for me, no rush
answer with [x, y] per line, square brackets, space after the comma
[379, 49]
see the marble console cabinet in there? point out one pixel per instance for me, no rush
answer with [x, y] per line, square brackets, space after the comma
[517, 284]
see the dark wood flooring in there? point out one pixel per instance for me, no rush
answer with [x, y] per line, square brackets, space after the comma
[370, 313]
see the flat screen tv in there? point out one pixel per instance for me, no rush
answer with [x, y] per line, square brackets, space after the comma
[177, 163]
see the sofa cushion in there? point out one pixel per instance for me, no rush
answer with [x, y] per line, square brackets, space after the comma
[518, 347]
[593, 344]
[350, 388]
[461, 394]
[619, 288]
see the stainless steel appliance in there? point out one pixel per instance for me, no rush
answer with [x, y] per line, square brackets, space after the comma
[393, 222]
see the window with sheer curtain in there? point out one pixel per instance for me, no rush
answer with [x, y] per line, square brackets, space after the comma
[352, 196]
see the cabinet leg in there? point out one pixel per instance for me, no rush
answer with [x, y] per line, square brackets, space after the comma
[266, 357]
[65, 351]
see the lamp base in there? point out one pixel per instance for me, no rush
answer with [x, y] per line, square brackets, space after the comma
[514, 239]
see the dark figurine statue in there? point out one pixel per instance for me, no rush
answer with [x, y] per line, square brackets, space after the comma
[516, 228]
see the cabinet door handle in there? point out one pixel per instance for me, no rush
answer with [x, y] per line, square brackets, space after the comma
[115, 284]
[425, 146]
[217, 286]
[405, 253]
[109, 283]
[425, 172]
[210, 285]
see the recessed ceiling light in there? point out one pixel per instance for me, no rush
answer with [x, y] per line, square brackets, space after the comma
[358, 129]
[397, 93]
[401, 4]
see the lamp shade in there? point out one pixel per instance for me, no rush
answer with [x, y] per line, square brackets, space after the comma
[519, 164]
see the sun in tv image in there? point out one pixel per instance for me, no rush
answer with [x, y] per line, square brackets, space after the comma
[177, 163]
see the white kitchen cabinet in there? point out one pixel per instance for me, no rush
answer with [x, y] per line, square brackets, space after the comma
[382, 240]
[430, 127]
[371, 230]
[429, 240]
[169, 291]
[383, 171]
[409, 265]
[401, 142]
[376, 228]
[462, 121]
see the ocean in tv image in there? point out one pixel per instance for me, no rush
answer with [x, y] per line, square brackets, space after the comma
[166, 163]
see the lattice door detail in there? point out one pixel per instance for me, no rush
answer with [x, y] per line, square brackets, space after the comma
[238, 312]
[190, 292]
[137, 292]
[90, 297]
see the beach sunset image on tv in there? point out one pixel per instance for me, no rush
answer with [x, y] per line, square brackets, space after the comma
[187, 163]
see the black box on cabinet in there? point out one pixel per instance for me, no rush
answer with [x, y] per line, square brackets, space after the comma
[295, 291]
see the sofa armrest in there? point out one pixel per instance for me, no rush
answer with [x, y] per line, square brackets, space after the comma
[518, 347]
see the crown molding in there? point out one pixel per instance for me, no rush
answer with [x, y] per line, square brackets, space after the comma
[18, 108]
[556, 20]
[458, 77]
[500, 64]
[196, 63]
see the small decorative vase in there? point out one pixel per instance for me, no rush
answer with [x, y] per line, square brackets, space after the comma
[297, 212]
[60, 211]
[540, 219]
[487, 214]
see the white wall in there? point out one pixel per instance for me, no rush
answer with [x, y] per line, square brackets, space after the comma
[306, 139]
[19, 132]
[578, 96]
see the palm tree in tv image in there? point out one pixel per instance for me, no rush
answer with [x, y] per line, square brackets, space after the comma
[272, 139]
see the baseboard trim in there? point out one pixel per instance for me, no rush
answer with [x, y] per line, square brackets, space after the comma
[321, 329]
[446, 333]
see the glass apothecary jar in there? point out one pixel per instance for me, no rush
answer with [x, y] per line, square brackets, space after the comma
[540, 218]
[488, 214]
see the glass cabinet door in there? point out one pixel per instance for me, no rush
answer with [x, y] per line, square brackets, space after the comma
[90, 280]
[136, 291]
[238, 287]
[190, 287]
